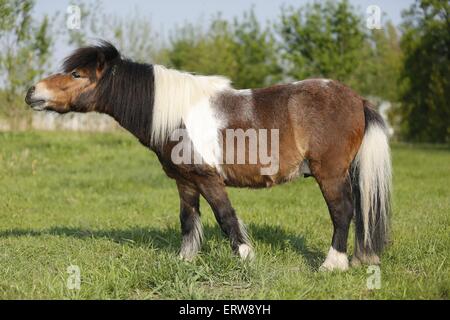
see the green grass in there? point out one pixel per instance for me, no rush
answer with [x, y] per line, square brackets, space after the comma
[102, 202]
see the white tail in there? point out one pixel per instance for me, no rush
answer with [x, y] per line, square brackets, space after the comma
[372, 173]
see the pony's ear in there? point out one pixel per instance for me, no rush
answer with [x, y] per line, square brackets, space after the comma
[100, 61]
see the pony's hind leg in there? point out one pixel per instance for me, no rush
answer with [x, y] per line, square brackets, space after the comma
[191, 226]
[337, 192]
[215, 194]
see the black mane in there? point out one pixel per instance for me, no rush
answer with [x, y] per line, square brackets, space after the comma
[125, 90]
[87, 57]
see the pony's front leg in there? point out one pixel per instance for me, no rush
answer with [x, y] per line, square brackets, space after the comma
[191, 226]
[215, 194]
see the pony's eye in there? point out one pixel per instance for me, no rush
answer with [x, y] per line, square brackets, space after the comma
[76, 74]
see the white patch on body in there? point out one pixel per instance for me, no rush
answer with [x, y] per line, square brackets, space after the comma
[246, 92]
[177, 94]
[298, 82]
[335, 261]
[323, 82]
[203, 130]
[183, 98]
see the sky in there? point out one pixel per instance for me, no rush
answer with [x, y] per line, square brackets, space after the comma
[167, 13]
[164, 15]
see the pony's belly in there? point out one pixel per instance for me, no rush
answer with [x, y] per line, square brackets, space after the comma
[244, 178]
[250, 176]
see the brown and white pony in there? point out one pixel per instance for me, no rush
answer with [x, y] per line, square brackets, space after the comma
[323, 129]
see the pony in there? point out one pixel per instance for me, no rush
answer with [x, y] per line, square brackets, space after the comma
[318, 128]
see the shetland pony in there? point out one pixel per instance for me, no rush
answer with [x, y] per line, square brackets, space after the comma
[318, 127]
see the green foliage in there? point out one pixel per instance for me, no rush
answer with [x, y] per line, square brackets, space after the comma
[425, 111]
[329, 40]
[25, 46]
[255, 52]
[208, 53]
[242, 51]
[321, 40]
[382, 59]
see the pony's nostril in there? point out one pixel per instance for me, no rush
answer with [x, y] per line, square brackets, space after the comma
[29, 94]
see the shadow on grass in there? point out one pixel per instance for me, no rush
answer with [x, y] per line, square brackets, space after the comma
[280, 239]
[169, 239]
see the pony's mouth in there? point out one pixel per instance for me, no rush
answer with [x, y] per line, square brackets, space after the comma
[37, 105]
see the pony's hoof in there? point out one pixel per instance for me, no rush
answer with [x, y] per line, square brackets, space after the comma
[335, 261]
[329, 268]
[358, 261]
[246, 252]
[355, 262]
[186, 257]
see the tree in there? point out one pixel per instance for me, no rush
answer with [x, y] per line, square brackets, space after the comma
[194, 50]
[25, 47]
[425, 110]
[255, 53]
[322, 40]
[382, 58]
[243, 51]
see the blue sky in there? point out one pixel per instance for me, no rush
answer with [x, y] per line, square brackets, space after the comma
[167, 13]
[164, 15]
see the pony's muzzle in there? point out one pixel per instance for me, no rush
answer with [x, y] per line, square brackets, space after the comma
[30, 100]
[29, 96]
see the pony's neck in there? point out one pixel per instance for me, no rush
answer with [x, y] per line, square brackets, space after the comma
[126, 93]
[152, 101]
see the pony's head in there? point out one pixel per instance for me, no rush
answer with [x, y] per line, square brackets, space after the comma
[74, 89]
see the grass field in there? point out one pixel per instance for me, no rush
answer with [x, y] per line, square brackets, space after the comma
[101, 202]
